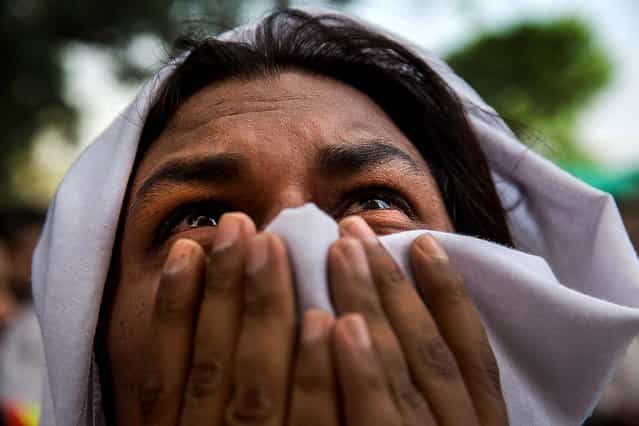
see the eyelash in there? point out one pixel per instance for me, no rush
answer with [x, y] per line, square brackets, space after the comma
[205, 207]
[215, 209]
[360, 195]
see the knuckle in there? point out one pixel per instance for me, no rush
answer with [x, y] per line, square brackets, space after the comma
[494, 380]
[385, 270]
[256, 305]
[408, 397]
[251, 405]
[438, 358]
[372, 379]
[366, 377]
[391, 276]
[204, 379]
[450, 286]
[265, 303]
[169, 304]
[391, 356]
[374, 382]
[405, 394]
[220, 277]
[271, 294]
[369, 306]
[490, 369]
[269, 304]
[456, 284]
[150, 393]
[310, 380]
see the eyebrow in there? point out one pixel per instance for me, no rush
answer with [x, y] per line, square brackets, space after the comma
[219, 168]
[336, 160]
[347, 160]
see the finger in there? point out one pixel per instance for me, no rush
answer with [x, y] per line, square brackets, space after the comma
[209, 381]
[313, 398]
[173, 323]
[432, 364]
[353, 290]
[365, 395]
[460, 324]
[264, 352]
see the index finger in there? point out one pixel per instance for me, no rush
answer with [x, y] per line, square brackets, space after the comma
[207, 389]
[265, 347]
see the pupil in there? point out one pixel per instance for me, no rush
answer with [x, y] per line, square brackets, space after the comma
[201, 220]
[376, 204]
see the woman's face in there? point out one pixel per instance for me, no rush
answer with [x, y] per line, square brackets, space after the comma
[258, 147]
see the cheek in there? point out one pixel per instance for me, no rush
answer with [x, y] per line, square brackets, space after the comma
[439, 217]
[128, 331]
[431, 207]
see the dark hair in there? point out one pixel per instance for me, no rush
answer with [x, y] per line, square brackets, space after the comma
[413, 95]
[15, 219]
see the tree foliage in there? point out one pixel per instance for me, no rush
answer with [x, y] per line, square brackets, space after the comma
[34, 34]
[539, 75]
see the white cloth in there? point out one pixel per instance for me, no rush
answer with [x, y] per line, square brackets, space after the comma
[560, 310]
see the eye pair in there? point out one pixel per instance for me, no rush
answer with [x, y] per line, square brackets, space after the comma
[197, 219]
[207, 213]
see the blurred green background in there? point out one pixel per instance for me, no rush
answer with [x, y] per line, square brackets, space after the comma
[562, 72]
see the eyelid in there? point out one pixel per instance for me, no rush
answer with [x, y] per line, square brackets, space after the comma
[162, 232]
[391, 194]
[169, 222]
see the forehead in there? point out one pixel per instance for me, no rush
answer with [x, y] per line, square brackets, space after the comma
[291, 114]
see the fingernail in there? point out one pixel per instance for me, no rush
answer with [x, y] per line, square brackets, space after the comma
[357, 331]
[179, 256]
[314, 324]
[356, 227]
[257, 254]
[431, 247]
[226, 234]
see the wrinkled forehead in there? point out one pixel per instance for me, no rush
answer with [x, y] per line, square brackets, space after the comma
[290, 113]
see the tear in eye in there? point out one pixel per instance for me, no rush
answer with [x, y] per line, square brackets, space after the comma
[196, 221]
[375, 199]
[190, 216]
[375, 204]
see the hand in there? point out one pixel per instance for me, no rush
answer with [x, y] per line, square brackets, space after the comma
[221, 350]
[222, 347]
[223, 332]
[430, 363]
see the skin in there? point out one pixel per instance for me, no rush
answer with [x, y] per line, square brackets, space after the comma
[202, 328]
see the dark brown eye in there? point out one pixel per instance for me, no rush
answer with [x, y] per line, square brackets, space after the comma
[375, 204]
[375, 199]
[198, 220]
[190, 216]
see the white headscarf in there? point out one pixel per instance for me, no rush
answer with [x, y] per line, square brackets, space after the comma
[559, 311]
